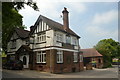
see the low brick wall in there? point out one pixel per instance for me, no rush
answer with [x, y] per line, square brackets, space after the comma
[89, 66]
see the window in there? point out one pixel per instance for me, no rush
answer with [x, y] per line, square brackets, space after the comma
[59, 56]
[41, 57]
[81, 58]
[41, 38]
[68, 39]
[59, 37]
[74, 41]
[75, 55]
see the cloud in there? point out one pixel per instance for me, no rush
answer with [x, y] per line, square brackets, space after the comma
[50, 9]
[100, 27]
[29, 16]
[54, 8]
[75, 7]
[105, 18]
[97, 31]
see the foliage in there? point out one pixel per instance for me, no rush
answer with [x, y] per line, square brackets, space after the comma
[3, 54]
[109, 49]
[11, 19]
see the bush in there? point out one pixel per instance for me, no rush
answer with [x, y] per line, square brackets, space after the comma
[107, 64]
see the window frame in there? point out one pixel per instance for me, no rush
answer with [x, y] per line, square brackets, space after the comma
[41, 57]
[75, 41]
[75, 57]
[59, 56]
[68, 39]
[81, 58]
[59, 37]
[41, 38]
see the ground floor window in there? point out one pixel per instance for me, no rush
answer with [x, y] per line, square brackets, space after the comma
[75, 56]
[59, 56]
[81, 58]
[41, 57]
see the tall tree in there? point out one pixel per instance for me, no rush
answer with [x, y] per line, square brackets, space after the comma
[11, 19]
[109, 48]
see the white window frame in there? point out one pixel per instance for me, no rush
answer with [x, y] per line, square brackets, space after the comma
[75, 57]
[74, 41]
[41, 57]
[41, 38]
[81, 58]
[59, 37]
[59, 56]
[68, 39]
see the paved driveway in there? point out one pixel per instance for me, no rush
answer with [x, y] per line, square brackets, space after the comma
[95, 73]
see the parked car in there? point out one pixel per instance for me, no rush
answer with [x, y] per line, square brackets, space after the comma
[13, 64]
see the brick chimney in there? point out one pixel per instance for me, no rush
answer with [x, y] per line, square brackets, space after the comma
[65, 19]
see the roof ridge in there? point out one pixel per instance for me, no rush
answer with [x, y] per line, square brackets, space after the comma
[51, 19]
[53, 24]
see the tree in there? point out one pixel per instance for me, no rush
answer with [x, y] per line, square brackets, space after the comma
[11, 19]
[109, 48]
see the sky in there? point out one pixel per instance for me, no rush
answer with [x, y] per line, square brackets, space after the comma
[92, 21]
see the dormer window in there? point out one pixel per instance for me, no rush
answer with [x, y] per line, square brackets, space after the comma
[68, 39]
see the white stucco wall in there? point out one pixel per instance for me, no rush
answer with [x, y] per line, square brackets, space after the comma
[19, 42]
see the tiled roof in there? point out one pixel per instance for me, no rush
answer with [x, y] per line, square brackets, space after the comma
[53, 25]
[22, 33]
[24, 47]
[91, 52]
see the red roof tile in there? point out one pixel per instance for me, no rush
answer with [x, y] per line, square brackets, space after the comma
[91, 52]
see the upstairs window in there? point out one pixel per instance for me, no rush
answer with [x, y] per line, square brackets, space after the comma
[59, 37]
[75, 56]
[59, 56]
[74, 41]
[41, 57]
[41, 38]
[68, 39]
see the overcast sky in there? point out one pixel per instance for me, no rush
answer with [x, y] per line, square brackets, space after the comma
[92, 21]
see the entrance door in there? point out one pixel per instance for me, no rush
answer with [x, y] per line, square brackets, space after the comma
[25, 59]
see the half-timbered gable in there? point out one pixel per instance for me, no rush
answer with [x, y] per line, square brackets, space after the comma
[19, 38]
